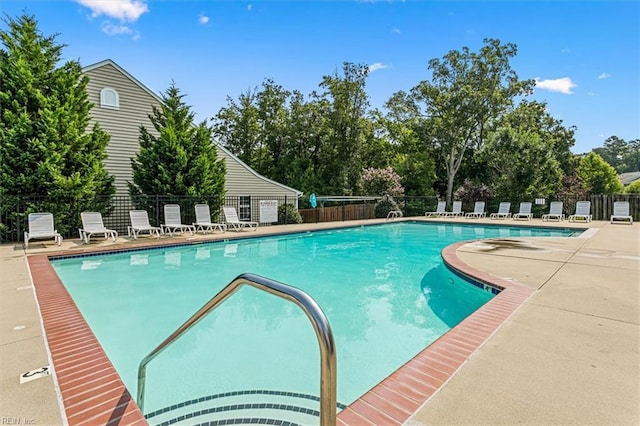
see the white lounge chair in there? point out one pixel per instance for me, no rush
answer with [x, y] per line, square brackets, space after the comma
[478, 211]
[203, 220]
[41, 227]
[583, 212]
[140, 223]
[394, 214]
[92, 224]
[456, 210]
[440, 210]
[524, 213]
[621, 213]
[231, 219]
[555, 212]
[503, 211]
[173, 221]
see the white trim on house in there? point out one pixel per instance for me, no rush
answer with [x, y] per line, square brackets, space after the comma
[109, 98]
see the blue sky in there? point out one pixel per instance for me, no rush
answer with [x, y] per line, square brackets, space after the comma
[585, 55]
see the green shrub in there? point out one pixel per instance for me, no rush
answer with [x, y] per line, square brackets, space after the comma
[384, 206]
[287, 214]
[633, 188]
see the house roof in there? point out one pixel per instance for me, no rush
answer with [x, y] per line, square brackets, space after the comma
[124, 72]
[627, 178]
[159, 99]
[219, 146]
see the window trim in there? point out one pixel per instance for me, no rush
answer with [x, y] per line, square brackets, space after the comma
[103, 98]
[244, 207]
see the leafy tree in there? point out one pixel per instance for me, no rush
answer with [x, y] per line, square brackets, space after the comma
[236, 127]
[613, 151]
[317, 145]
[632, 159]
[534, 117]
[307, 129]
[182, 159]
[378, 150]
[468, 91]
[46, 145]
[344, 104]
[273, 118]
[277, 133]
[622, 155]
[524, 164]
[406, 131]
[598, 176]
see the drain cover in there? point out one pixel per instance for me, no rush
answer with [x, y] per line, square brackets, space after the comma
[34, 374]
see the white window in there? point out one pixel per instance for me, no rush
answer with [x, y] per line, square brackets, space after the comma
[109, 98]
[244, 210]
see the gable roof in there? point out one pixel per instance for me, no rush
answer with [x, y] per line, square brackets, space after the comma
[124, 72]
[627, 178]
[91, 67]
[239, 161]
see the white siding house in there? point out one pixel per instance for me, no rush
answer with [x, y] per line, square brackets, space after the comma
[121, 104]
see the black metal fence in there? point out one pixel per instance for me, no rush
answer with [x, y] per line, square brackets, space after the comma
[601, 205]
[14, 211]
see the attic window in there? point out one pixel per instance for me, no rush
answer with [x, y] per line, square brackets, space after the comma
[109, 98]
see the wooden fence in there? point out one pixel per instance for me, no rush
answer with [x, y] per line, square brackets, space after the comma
[338, 213]
[601, 207]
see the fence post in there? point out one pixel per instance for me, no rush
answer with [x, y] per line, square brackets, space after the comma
[19, 236]
[157, 210]
[286, 211]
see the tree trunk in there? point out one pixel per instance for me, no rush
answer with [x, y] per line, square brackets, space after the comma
[449, 196]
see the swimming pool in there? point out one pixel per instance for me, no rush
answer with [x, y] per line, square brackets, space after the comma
[383, 288]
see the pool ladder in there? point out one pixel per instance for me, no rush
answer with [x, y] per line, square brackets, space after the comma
[304, 301]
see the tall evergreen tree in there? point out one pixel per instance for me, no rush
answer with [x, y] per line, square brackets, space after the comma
[182, 159]
[46, 145]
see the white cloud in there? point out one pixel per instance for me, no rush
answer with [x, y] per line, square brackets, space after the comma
[111, 29]
[377, 66]
[395, 31]
[562, 85]
[604, 75]
[203, 19]
[124, 10]
[249, 7]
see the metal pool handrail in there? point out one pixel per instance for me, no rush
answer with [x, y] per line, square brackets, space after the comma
[304, 301]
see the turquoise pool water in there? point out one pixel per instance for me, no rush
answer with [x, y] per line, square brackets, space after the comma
[383, 288]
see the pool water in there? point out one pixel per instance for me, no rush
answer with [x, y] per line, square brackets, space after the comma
[383, 288]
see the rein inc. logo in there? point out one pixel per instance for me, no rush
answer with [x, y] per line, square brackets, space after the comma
[16, 421]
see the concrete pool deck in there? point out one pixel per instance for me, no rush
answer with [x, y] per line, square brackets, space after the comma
[568, 355]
